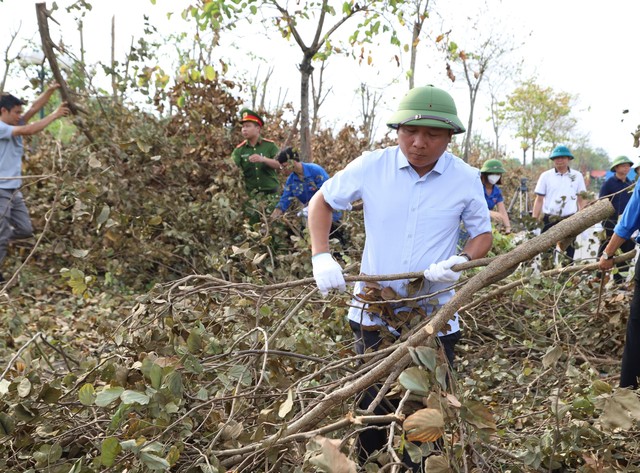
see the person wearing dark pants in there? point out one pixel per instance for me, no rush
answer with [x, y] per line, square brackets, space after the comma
[616, 188]
[14, 125]
[558, 196]
[628, 224]
[415, 196]
[372, 440]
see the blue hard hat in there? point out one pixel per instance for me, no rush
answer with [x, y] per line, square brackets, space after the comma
[561, 151]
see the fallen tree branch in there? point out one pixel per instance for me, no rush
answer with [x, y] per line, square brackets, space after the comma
[552, 272]
[47, 47]
[499, 268]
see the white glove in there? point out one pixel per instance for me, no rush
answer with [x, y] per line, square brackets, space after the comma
[441, 272]
[327, 273]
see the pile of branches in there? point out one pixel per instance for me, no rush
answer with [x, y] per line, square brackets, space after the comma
[207, 374]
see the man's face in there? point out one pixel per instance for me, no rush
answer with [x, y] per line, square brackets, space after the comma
[423, 145]
[11, 117]
[623, 169]
[561, 163]
[250, 130]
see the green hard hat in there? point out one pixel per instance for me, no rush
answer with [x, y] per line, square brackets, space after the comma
[620, 160]
[561, 151]
[492, 166]
[427, 106]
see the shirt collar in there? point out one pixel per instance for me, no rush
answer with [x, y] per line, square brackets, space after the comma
[440, 166]
[562, 174]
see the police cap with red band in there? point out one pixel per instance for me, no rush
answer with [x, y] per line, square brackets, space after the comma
[250, 116]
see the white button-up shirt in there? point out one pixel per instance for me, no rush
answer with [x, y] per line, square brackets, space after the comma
[560, 191]
[410, 221]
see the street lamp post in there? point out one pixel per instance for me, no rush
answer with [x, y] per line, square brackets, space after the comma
[35, 58]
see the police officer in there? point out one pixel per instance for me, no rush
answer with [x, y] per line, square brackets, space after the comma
[255, 157]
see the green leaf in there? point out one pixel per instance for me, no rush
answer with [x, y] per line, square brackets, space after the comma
[108, 395]
[49, 394]
[47, 454]
[194, 341]
[425, 356]
[77, 253]
[109, 450]
[24, 387]
[87, 394]
[154, 462]
[552, 356]
[104, 215]
[210, 73]
[173, 381]
[155, 376]
[4, 387]
[24, 413]
[134, 397]
[416, 380]
[7, 424]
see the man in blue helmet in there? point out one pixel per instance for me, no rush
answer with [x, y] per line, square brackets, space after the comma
[558, 196]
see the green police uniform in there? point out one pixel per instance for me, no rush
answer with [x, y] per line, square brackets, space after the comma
[258, 177]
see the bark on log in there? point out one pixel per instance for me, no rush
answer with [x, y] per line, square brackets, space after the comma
[499, 268]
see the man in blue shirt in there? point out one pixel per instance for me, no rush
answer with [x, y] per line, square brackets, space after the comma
[615, 188]
[628, 224]
[303, 182]
[415, 195]
[14, 217]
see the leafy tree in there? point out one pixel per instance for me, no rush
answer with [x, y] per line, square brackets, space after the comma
[540, 115]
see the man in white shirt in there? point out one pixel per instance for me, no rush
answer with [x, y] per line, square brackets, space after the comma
[414, 197]
[559, 194]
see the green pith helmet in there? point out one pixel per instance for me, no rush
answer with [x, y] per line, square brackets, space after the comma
[427, 106]
[492, 166]
[620, 160]
[561, 151]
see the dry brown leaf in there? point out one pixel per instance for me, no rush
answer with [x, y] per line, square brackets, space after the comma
[425, 425]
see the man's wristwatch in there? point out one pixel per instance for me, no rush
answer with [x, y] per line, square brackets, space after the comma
[464, 255]
[605, 256]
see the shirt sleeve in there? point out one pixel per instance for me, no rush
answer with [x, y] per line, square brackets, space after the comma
[541, 185]
[287, 195]
[581, 186]
[346, 186]
[604, 190]
[475, 216]
[5, 131]
[499, 197]
[235, 156]
[630, 220]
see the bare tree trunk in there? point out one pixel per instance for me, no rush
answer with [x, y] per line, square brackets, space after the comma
[47, 48]
[114, 84]
[306, 69]
[7, 61]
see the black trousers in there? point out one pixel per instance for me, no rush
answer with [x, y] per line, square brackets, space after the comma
[630, 369]
[551, 220]
[371, 440]
[608, 226]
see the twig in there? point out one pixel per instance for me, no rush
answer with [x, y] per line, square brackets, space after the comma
[15, 357]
